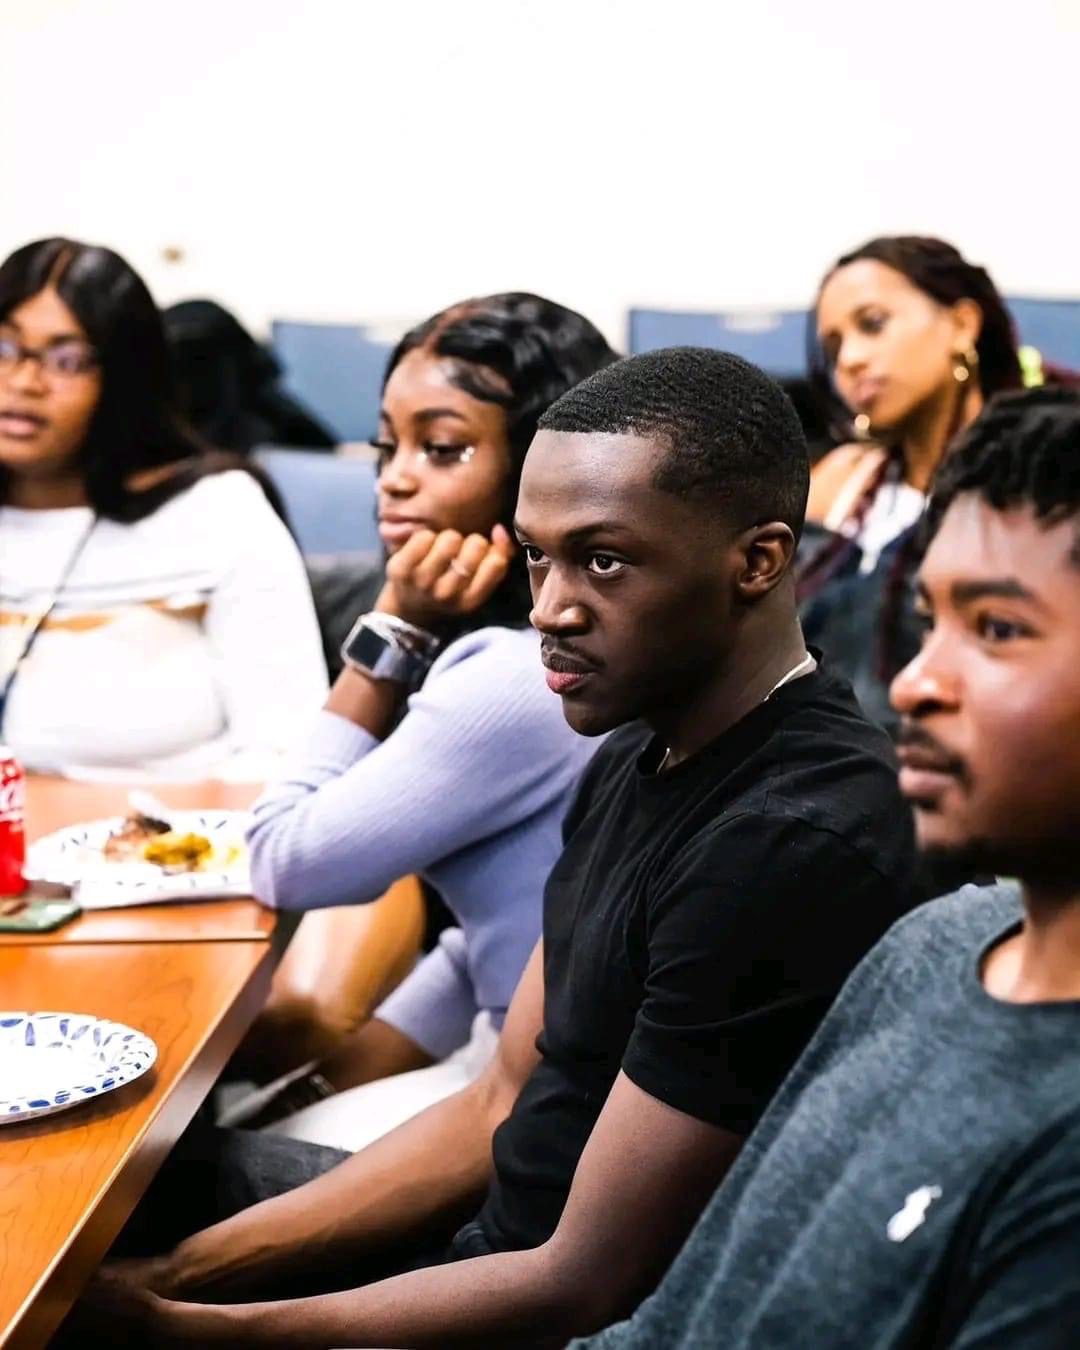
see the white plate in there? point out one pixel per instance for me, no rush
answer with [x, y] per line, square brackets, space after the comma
[74, 857]
[52, 1060]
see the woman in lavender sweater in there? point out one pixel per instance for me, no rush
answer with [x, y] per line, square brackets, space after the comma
[459, 766]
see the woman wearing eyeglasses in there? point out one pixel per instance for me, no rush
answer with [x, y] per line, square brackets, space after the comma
[143, 578]
[440, 751]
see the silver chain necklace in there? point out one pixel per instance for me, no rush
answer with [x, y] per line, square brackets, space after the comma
[806, 664]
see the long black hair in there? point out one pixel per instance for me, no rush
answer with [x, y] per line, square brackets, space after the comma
[135, 425]
[521, 352]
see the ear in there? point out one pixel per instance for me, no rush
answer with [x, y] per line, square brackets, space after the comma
[765, 554]
[967, 318]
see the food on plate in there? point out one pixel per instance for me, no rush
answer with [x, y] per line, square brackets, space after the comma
[178, 852]
[126, 844]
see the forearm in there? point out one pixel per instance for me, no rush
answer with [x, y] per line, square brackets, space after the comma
[430, 1171]
[324, 836]
[370, 704]
[372, 1052]
[511, 1298]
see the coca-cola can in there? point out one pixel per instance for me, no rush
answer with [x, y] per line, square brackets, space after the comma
[12, 824]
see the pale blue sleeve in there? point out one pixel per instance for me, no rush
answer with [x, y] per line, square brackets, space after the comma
[435, 1005]
[482, 747]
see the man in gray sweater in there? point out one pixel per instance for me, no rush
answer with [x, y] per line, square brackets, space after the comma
[916, 1181]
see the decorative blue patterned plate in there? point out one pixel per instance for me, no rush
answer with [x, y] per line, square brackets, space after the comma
[52, 1060]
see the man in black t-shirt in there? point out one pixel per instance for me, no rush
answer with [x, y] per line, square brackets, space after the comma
[734, 850]
[916, 1180]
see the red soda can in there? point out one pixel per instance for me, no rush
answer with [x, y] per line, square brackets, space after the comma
[12, 831]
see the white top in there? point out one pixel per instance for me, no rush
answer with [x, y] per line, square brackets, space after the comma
[184, 645]
[895, 508]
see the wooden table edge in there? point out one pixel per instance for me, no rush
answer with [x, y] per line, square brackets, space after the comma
[135, 939]
[63, 1280]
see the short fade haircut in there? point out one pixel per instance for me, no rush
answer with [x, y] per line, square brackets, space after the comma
[1023, 450]
[729, 430]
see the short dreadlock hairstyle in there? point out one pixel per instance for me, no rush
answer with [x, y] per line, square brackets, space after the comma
[1023, 450]
[729, 431]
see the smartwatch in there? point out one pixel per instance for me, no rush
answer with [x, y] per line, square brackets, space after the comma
[384, 647]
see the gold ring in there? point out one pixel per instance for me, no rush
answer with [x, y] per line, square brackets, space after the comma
[455, 566]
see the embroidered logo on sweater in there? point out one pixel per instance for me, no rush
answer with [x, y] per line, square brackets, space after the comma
[912, 1213]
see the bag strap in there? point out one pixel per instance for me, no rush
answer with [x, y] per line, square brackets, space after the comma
[31, 632]
[839, 481]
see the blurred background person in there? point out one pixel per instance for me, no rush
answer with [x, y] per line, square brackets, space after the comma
[228, 385]
[155, 617]
[907, 341]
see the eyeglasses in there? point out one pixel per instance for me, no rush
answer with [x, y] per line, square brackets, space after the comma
[438, 456]
[67, 358]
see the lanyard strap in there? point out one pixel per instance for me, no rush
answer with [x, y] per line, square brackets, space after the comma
[30, 634]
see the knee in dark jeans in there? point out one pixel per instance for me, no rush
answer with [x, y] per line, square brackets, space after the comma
[213, 1174]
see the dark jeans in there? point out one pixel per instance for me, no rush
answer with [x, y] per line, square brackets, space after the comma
[214, 1173]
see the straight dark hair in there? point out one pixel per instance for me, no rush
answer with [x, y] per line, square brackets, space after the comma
[135, 425]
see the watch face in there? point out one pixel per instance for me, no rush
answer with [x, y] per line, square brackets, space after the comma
[365, 646]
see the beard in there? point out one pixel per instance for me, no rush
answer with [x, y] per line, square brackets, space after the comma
[1048, 863]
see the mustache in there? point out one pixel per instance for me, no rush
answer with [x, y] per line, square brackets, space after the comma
[565, 658]
[929, 751]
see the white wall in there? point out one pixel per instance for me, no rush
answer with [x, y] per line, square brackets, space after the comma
[375, 159]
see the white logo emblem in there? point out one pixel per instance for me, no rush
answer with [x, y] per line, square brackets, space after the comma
[912, 1214]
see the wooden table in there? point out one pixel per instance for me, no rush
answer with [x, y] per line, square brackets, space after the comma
[68, 1182]
[52, 803]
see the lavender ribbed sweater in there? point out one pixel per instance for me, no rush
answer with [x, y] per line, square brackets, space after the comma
[468, 791]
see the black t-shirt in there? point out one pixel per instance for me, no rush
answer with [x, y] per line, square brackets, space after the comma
[697, 926]
[916, 1181]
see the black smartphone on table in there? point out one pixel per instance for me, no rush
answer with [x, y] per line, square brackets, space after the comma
[36, 915]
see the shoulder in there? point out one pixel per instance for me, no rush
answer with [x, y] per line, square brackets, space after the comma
[834, 766]
[825, 763]
[934, 942]
[825, 730]
[222, 503]
[225, 492]
[764, 855]
[966, 918]
[226, 519]
[838, 480]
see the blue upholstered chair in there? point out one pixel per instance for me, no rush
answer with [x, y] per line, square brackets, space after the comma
[1053, 326]
[330, 499]
[336, 369]
[775, 340]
